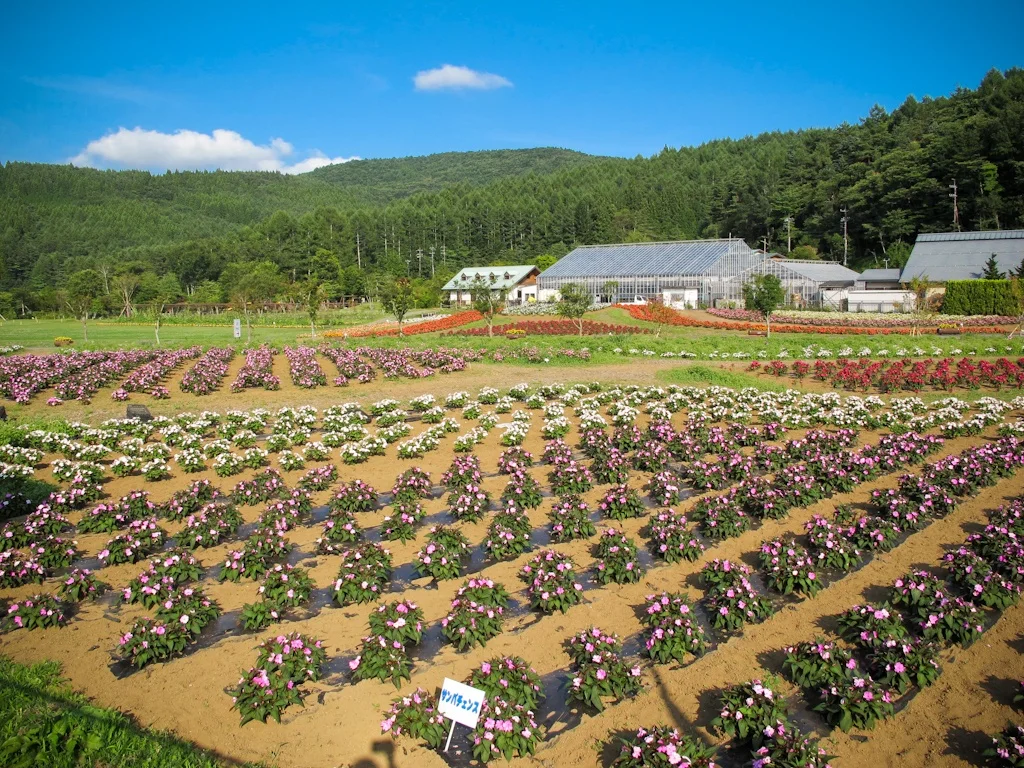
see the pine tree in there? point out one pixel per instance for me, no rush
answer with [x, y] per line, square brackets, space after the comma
[992, 270]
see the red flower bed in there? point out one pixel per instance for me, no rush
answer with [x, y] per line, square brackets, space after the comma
[658, 313]
[413, 329]
[910, 375]
[561, 327]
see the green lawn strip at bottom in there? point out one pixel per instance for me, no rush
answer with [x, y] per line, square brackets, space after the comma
[44, 722]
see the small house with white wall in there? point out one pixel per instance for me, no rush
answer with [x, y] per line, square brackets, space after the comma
[518, 283]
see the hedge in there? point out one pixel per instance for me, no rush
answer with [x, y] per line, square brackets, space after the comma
[980, 297]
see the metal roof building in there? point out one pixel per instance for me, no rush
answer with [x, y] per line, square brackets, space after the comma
[880, 276]
[945, 256]
[648, 269]
[716, 269]
[499, 278]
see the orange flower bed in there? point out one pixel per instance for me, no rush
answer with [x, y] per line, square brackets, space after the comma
[428, 326]
[658, 313]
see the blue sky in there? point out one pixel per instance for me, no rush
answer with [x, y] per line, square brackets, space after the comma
[290, 86]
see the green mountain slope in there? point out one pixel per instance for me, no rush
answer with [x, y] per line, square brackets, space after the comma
[380, 181]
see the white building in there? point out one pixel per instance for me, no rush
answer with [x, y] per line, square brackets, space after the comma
[518, 283]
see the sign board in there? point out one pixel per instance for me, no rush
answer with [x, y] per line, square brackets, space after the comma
[461, 703]
[238, 328]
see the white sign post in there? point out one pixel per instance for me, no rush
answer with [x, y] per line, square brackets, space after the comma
[238, 328]
[461, 704]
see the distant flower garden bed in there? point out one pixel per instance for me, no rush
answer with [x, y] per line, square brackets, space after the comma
[551, 328]
[861, 319]
[409, 329]
[657, 313]
[867, 375]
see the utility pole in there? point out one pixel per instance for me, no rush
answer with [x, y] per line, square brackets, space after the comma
[846, 238]
[431, 261]
[419, 262]
[764, 242]
[789, 235]
[359, 256]
[956, 207]
[408, 267]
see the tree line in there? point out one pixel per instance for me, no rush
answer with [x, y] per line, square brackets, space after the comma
[194, 236]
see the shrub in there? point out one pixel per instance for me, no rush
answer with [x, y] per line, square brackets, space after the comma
[671, 540]
[508, 534]
[35, 612]
[476, 614]
[663, 747]
[416, 715]
[551, 582]
[617, 559]
[442, 556]
[980, 297]
[570, 519]
[598, 670]
[749, 709]
[621, 503]
[511, 678]
[673, 630]
[364, 573]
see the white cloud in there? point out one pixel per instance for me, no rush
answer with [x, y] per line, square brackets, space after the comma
[191, 150]
[450, 77]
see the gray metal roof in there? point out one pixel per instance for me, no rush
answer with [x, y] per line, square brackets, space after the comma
[880, 275]
[503, 277]
[681, 257]
[944, 256]
[820, 271]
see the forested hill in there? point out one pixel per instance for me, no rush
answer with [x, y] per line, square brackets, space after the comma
[381, 181]
[890, 172]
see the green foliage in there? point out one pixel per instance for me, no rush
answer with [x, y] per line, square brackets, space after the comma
[764, 294]
[992, 271]
[980, 297]
[44, 723]
[574, 302]
[397, 298]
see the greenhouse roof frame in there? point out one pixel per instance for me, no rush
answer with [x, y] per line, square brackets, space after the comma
[630, 260]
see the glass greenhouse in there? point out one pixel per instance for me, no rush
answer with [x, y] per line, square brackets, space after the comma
[716, 269]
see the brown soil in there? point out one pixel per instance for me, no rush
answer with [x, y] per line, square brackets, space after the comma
[942, 726]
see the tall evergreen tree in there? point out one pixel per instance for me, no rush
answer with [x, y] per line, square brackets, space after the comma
[992, 271]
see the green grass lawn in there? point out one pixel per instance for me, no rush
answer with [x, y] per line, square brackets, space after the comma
[38, 335]
[704, 343]
[45, 723]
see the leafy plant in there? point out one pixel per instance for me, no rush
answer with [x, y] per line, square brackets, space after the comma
[748, 709]
[442, 556]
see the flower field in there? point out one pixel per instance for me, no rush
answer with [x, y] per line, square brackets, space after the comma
[409, 329]
[80, 375]
[864, 375]
[552, 328]
[861, 320]
[739, 320]
[675, 575]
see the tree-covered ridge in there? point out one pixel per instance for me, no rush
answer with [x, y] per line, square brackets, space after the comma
[890, 172]
[381, 181]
